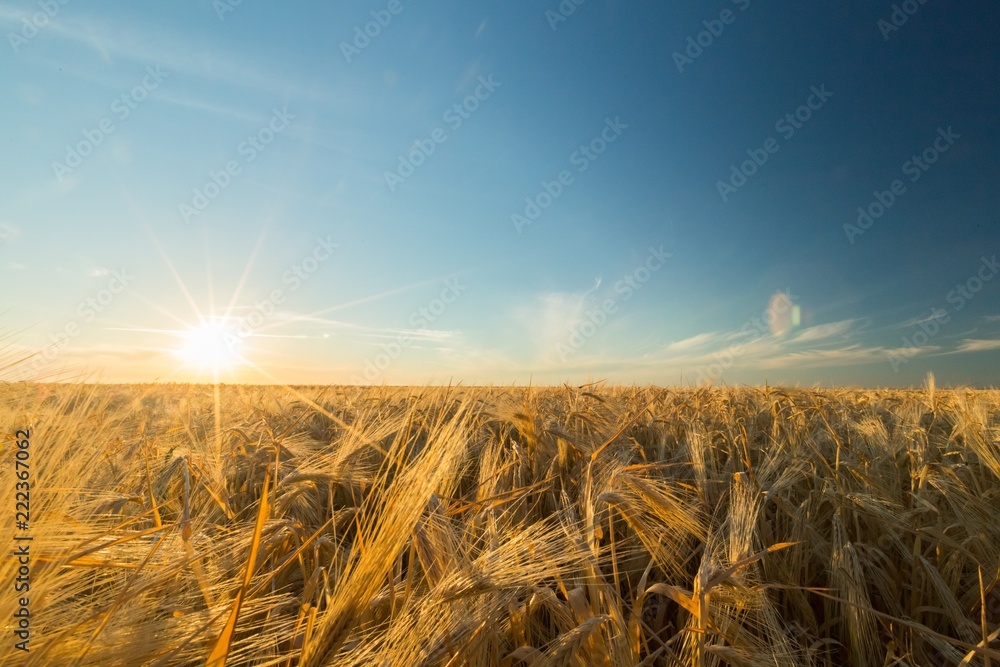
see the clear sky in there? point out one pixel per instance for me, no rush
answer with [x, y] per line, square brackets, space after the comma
[486, 192]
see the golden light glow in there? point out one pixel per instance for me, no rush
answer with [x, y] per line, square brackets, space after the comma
[210, 347]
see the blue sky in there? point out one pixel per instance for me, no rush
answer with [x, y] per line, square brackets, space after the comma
[487, 193]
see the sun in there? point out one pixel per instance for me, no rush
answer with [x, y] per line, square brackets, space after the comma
[210, 347]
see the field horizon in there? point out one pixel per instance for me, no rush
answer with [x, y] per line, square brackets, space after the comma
[602, 384]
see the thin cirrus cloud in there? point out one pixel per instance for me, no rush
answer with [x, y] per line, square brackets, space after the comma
[819, 358]
[693, 342]
[977, 345]
[822, 332]
[935, 314]
[827, 344]
[175, 54]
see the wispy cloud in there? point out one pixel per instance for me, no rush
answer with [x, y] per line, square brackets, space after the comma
[840, 356]
[747, 349]
[823, 332]
[935, 314]
[693, 342]
[212, 108]
[750, 350]
[288, 324]
[974, 345]
[113, 41]
[916, 351]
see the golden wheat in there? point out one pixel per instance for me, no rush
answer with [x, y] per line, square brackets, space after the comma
[189, 525]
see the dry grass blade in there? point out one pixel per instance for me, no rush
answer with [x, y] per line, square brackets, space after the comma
[721, 576]
[220, 653]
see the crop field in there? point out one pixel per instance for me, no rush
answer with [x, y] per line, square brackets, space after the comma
[595, 525]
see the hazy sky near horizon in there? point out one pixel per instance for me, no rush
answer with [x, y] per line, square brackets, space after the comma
[405, 191]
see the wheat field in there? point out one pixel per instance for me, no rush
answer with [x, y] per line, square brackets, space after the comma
[596, 525]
